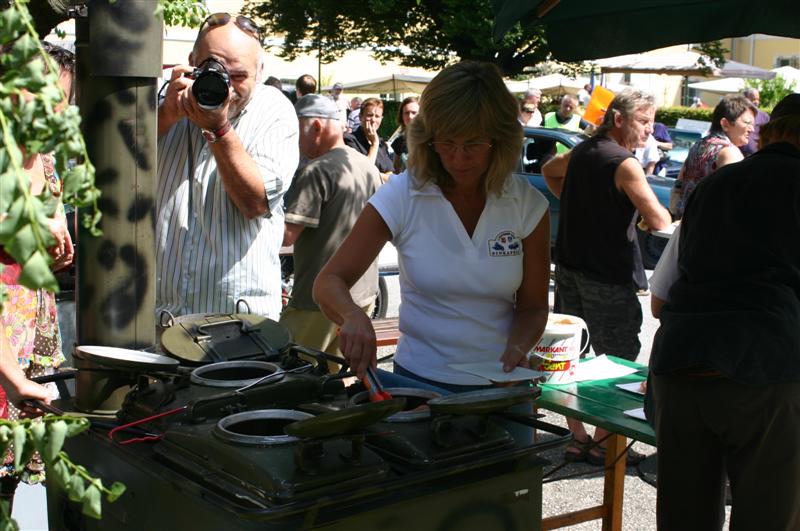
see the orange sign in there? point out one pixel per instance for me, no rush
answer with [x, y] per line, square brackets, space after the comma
[598, 104]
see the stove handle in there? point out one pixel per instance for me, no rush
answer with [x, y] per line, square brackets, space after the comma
[203, 330]
[319, 355]
[563, 435]
[38, 404]
[147, 437]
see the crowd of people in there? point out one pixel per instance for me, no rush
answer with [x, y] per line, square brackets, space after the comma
[239, 181]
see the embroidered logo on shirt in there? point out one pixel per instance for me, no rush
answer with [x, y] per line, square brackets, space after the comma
[506, 243]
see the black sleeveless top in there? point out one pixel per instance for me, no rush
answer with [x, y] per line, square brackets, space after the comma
[596, 221]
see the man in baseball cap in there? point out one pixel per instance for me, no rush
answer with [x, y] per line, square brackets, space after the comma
[322, 205]
[341, 102]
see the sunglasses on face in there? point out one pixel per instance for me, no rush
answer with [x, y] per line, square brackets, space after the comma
[220, 19]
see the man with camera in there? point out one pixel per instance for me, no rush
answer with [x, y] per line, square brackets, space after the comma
[227, 150]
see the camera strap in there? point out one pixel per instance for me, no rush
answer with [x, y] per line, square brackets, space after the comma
[190, 160]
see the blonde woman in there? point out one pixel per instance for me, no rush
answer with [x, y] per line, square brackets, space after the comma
[472, 240]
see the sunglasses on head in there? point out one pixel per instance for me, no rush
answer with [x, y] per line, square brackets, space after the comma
[220, 19]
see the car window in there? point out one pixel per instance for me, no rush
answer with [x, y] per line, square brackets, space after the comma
[538, 150]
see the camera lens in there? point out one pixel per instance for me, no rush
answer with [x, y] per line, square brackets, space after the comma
[211, 83]
[210, 90]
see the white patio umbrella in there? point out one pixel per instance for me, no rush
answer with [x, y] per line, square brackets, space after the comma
[733, 85]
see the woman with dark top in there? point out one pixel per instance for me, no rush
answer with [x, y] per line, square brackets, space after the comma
[407, 112]
[365, 139]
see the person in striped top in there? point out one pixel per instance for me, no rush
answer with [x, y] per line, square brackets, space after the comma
[221, 178]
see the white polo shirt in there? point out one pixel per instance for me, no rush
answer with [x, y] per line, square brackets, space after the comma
[457, 293]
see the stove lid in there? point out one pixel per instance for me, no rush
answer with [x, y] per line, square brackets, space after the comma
[199, 339]
[346, 421]
[123, 358]
[483, 401]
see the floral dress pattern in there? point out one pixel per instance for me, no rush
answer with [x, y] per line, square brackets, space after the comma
[30, 321]
[701, 161]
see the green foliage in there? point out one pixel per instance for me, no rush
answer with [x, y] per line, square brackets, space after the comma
[772, 90]
[713, 55]
[182, 12]
[669, 115]
[6, 522]
[422, 33]
[47, 436]
[29, 97]
[389, 123]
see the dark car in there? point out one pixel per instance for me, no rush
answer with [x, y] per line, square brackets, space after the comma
[541, 144]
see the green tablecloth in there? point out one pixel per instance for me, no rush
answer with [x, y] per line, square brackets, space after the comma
[601, 403]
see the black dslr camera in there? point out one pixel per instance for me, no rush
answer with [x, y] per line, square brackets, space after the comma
[211, 84]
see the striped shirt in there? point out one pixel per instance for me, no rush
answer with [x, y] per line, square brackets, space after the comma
[208, 254]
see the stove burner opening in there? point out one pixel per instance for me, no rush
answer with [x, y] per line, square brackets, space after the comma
[259, 428]
[233, 373]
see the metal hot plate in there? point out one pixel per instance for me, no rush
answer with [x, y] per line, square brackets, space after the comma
[250, 456]
[220, 389]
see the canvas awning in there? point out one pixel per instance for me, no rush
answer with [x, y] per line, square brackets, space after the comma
[577, 31]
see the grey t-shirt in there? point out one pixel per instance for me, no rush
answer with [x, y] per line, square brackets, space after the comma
[327, 197]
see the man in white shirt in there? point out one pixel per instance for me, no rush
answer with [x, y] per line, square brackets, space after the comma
[222, 172]
[341, 103]
[648, 155]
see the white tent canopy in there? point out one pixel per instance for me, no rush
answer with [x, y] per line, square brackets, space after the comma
[733, 85]
[678, 64]
[395, 83]
[549, 84]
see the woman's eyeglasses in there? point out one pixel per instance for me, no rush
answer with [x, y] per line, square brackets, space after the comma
[220, 19]
[470, 149]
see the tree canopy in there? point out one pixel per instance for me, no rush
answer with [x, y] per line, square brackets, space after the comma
[421, 33]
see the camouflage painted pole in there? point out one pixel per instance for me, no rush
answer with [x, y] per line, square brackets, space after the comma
[118, 49]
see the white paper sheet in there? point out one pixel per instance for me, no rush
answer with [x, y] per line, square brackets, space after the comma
[493, 371]
[667, 231]
[632, 387]
[601, 368]
[637, 413]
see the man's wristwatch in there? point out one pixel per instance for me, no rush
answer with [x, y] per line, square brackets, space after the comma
[214, 136]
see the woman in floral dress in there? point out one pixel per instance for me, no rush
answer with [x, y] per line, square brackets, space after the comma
[30, 344]
[731, 126]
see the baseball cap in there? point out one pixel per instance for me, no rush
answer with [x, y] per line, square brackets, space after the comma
[316, 106]
[790, 105]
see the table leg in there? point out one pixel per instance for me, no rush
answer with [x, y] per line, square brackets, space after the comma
[614, 485]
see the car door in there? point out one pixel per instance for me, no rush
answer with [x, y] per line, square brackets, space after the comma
[541, 145]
